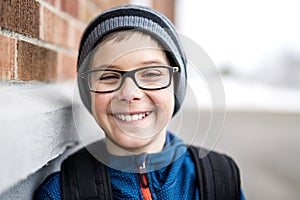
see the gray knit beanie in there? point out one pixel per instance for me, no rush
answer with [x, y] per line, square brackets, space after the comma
[127, 18]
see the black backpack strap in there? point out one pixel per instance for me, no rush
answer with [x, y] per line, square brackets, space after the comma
[218, 175]
[84, 177]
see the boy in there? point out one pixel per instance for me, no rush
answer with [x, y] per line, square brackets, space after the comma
[132, 79]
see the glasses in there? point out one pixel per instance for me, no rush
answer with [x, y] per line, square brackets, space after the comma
[146, 78]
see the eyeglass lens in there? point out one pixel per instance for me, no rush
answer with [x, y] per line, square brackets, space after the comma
[156, 77]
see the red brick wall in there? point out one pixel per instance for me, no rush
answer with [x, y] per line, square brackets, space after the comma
[39, 38]
[167, 7]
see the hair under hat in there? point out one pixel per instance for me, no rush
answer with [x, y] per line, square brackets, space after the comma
[127, 18]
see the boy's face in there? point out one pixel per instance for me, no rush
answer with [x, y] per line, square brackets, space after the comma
[133, 119]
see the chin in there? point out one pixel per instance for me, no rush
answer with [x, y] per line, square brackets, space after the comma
[125, 144]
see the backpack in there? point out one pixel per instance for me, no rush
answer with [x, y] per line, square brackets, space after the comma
[84, 177]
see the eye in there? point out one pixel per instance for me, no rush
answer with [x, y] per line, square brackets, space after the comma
[151, 74]
[108, 77]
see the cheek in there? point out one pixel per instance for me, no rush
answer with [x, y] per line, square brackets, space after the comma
[164, 99]
[99, 104]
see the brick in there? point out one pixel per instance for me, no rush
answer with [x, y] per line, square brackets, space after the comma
[74, 38]
[166, 7]
[70, 7]
[106, 4]
[21, 16]
[35, 62]
[87, 10]
[7, 57]
[52, 2]
[66, 66]
[54, 28]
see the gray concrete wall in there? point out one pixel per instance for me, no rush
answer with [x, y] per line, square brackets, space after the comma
[37, 127]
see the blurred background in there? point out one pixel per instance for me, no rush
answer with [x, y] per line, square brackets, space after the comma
[254, 45]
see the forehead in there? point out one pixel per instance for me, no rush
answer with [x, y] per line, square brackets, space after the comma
[137, 47]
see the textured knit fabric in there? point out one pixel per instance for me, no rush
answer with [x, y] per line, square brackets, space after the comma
[50, 189]
[132, 17]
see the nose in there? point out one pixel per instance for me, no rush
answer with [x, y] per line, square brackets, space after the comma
[129, 91]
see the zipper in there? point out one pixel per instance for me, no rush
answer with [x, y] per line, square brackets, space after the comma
[144, 181]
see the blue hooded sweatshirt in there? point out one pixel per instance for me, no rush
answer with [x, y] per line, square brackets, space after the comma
[170, 173]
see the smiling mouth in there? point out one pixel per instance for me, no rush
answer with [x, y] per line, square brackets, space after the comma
[131, 118]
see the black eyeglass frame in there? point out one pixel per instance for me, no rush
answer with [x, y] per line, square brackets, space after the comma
[130, 74]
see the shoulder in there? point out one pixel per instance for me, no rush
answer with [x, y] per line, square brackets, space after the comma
[215, 161]
[218, 171]
[214, 157]
[88, 152]
[49, 189]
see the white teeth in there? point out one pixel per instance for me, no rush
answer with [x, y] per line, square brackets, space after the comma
[134, 117]
[141, 116]
[130, 118]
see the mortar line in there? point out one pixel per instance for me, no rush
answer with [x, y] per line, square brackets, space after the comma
[16, 60]
[37, 42]
[63, 15]
[92, 5]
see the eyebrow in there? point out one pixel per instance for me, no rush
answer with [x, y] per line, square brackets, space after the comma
[151, 62]
[143, 63]
[104, 66]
